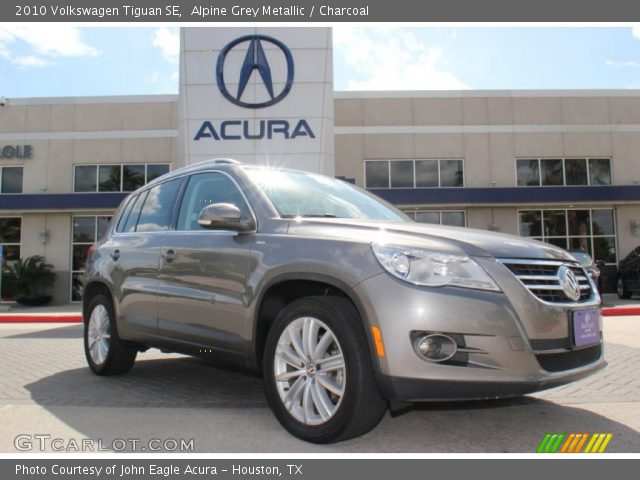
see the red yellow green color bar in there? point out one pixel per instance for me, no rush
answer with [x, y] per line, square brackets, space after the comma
[574, 443]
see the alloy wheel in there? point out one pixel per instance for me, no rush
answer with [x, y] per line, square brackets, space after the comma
[309, 371]
[99, 334]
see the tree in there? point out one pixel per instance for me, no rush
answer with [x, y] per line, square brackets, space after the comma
[32, 276]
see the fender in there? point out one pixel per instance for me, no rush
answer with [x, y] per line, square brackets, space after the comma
[316, 277]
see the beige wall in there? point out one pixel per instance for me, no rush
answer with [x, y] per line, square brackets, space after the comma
[488, 130]
[65, 134]
[470, 127]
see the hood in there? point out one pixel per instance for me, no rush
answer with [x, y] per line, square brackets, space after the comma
[454, 240]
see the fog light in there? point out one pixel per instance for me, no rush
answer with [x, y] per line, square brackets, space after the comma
[436, 347]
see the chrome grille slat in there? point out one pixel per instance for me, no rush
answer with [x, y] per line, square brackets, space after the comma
[538, 277]
[542, 280]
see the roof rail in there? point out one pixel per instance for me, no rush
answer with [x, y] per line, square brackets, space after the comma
[213, 161]
[217, 161]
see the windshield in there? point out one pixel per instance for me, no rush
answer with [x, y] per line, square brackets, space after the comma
[299, 194]
[582, 257]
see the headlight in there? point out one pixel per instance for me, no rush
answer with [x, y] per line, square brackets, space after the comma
[432, 269]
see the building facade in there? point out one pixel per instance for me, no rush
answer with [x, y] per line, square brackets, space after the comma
[82, 156]
[558, 166]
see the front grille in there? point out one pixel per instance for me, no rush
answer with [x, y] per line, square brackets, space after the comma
[542, 280]
[559, 362]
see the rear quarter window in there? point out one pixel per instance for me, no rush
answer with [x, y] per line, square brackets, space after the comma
[125, 213]
[134, 213]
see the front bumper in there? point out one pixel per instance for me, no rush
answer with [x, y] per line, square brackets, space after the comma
[506, 333]
[421, 390]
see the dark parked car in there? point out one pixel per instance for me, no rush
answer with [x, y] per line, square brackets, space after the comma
[629, 275]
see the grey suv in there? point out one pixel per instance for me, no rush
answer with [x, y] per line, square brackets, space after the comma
[344, 303]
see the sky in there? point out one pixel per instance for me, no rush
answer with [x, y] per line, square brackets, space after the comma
[65, 60]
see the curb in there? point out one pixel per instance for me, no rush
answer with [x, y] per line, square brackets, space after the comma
[620, 311]
[41, 318]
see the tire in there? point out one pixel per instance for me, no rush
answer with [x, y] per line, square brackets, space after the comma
[622, 290]
[106, 354]
[358, 408]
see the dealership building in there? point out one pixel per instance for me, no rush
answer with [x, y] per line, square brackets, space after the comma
[558, 166]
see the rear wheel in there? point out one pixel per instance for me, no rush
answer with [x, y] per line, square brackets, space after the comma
[106, 354]
[317, 372]
[622, 290]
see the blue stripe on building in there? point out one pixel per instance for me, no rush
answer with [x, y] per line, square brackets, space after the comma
[509, 195]
[398, 196]
[61, 201]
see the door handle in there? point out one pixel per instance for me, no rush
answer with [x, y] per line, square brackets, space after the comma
[115, 254]
[169, 255]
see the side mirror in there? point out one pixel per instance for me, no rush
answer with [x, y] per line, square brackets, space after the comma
[224, 216]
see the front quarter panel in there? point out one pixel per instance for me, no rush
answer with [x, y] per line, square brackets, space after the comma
[278, 257]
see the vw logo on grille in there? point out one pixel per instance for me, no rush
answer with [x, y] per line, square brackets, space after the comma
[569, 283]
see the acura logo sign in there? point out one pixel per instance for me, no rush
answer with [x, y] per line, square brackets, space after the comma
[569, 283]
[255, 60]
[235, 88]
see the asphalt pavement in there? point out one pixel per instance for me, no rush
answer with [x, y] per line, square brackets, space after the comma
[50, 401]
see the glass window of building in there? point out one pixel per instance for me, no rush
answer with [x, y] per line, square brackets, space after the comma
[155, 170]
[132, 177]
[376, 174]
[576, 171]
[414, 173]
[528, 173]
[451, 173]
[590, 230]
[531, 223]
[85, 178]
[109, 178]
[599, 171]
[427, 173]
[86, 230]
[10, 240]
[563, 171]
[551, 172]
[116, 177]
[456, 218]
[11, 179]
[402, 174]
[426, 217]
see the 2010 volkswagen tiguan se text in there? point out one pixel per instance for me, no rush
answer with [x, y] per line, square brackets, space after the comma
[342, 301]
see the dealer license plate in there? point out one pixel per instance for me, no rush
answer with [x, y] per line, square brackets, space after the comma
[586, 327]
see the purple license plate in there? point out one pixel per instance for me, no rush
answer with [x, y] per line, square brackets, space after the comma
[586, 327]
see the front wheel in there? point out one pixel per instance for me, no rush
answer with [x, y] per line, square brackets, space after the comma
[621, 289]
[106, 354]
[317, 371]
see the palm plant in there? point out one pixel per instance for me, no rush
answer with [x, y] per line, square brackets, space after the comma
[32, 276]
